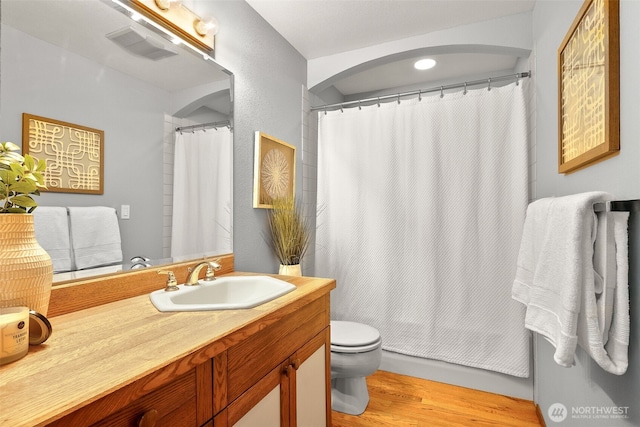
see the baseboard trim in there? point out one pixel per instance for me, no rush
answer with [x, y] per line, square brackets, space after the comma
[463, 376]
[540, 416]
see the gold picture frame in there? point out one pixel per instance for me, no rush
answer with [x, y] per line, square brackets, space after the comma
[589, 87]
[274, 174]
[74, 154]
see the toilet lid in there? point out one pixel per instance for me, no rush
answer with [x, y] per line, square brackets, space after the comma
[352, 334]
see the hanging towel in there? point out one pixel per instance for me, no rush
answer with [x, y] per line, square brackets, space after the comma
[51, 225]
[603, 326]
[95, 235]
[556, 281]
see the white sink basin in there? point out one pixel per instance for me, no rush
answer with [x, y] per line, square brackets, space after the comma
[224, 293]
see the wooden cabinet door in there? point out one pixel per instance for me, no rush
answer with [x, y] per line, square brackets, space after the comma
[266, 404]
[312, 387]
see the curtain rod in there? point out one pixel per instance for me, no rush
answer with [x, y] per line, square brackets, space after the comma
[204, 126]
[441, 89]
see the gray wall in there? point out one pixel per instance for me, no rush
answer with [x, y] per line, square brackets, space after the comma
[269, 76]
[586, 384]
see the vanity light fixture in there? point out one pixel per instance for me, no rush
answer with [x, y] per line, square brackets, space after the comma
[425, 64]
[176, 20]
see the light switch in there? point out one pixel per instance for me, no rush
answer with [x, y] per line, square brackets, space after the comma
[125, 211]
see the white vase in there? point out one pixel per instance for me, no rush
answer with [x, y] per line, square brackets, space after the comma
[290, 270]
[26, 270]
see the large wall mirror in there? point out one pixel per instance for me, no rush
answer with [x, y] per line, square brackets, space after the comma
[58, 61]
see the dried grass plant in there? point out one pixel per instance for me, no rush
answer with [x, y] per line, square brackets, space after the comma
[289, 231]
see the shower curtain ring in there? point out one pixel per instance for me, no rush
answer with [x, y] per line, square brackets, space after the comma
[325, 110]
[398, 99]
[465, 88]
[441, 92]
[489, 87]
[378, 102]
[517, 79]
[341, 110]
[419, 95]
[359, 106]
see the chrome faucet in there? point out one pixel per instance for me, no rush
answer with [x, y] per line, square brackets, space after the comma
[212, 266]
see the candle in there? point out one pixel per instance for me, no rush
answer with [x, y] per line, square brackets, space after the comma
[14, 333]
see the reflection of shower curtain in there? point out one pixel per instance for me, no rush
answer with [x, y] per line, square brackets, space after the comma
[421, 207]
[202, 193]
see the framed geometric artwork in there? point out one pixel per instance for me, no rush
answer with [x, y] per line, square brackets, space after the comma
[74, 154]
[274, 174]
[589, 87]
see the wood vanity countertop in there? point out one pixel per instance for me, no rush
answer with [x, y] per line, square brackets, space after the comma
[97, 351]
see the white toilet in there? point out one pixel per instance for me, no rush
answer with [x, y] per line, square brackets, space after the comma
[356, 350]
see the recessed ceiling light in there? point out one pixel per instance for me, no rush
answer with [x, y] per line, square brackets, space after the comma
[425, 64]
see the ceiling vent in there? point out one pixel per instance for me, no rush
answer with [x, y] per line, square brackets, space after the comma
[140, 44]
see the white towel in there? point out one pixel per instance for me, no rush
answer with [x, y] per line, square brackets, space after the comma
[51, 225]
[603, 324]
[555, 277]
[604, 265]
[95, 235]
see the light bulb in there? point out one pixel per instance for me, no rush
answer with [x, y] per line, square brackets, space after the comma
[206, 26]
[164, 5]
[425, 64]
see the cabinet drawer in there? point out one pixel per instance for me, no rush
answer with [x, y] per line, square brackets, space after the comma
[172, 405]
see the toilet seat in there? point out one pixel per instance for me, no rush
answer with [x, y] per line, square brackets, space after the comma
[353, 337]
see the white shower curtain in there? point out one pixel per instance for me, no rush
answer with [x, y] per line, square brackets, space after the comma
[421, 207]
[201, 193]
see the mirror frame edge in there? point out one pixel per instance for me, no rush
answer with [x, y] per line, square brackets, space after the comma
[92, 292]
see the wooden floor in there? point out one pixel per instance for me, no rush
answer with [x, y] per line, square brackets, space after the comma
[402, 401]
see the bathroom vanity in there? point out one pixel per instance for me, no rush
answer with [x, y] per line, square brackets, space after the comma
[124, 363]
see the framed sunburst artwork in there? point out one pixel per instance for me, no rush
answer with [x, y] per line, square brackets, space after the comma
[274, 174]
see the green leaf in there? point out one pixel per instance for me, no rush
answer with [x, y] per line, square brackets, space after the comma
[8, 146]
[42, 165]
[40, 179]
[17, 168]
[7, 158]
[29, 162]
[16, 210]
[8, 176]
[24, 201]
[24, 187]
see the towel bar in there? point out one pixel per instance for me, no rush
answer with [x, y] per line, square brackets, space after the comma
[617, 206]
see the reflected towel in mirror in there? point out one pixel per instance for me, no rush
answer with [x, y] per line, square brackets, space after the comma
[95, 235]
[51, 225]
